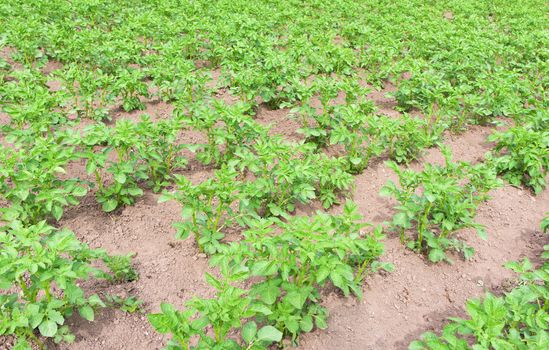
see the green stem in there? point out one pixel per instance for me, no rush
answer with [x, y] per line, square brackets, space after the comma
[361, 270]
[422, 225]
[302, 274]
[98, 180]
[169, 159]
[217, 216]
[37, 341]
[196, 235]
[48, 292]
[26, 291]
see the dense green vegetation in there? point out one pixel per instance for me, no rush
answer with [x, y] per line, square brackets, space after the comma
[67, 67]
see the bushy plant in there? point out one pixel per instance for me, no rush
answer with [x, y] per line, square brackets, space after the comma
[41, 268]
[33, 180]
[295, 259]
[436, 202]
[521, 155]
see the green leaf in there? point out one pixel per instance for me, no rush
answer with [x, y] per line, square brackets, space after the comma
[212, 281]
[183, 230]
[48, 328]
[430, 197]
[86, 312]
[401, 220]
[120, 178]
[79, 191]
[200, 323]
[296, 299]
[249, 330]
[57, 212]
[306, 323]
[481, 231]
[5, 283]
[270, 294]
[110, 205]
[90, 167]
[135, 191]
[269, 334]
[22, 344]
[261, 309]
[387, 190]
[437, 255]
[320, 322]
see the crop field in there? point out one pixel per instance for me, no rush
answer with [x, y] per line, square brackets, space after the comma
[274, 174]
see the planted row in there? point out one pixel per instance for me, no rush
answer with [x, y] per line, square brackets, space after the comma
[283, 267]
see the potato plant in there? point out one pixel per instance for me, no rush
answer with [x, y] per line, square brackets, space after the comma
[516, 320]
[209, 207]
[286, 174]
[521, 155]
[295, 259]
[436, 202]
[41, 268]
[226, 127]
[32, 108]
[129, 86]
[226, 314]
[142, 152]
[33, 181]
[88, 91]
[405, 138]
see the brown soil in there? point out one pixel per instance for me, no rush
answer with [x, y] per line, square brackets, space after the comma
[418, 296]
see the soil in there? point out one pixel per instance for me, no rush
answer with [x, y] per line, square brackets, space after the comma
[397, 307]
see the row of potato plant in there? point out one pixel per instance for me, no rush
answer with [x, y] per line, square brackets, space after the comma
[460, 63]
[272, 281]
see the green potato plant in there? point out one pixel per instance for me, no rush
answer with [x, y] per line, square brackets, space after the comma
[545, 223]
[436, 202]
[40, 270]
[405, 137]
[178, 80]
[88, 91]
[121, 268]
[225, 314]
[30, 105]
[295, 259]
[33, 181]
[159, 151]
[354, 130]
[144, 151]
[209, 207]
[286, 174]
[227, 127]
[129, 86]
[516, 320]
[521, 156]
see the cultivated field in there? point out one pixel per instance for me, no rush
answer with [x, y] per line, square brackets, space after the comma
[269, 174]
